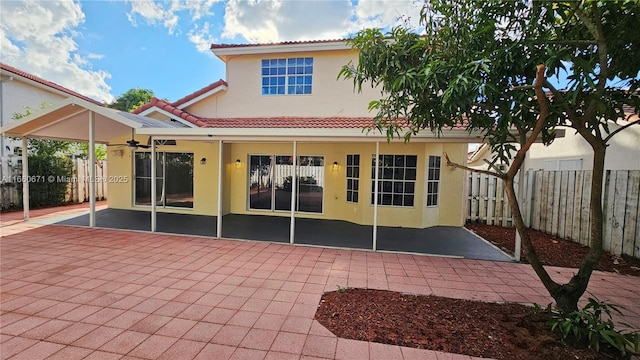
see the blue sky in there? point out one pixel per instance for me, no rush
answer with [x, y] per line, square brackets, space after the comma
[103, 48]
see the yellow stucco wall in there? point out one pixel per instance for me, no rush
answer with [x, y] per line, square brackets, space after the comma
[205, 179]
[235, 179]
[330, 96]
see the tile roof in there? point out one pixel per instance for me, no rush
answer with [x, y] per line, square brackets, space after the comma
[227, 46]
[47, 83]
[288, 122]
[163, 105]
[197, 93]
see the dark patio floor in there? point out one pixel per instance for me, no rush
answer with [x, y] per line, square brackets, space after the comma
[438, 240]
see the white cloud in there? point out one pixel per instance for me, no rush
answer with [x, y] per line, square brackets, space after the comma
[153, 13]
[274, 21]
[384, 13]
[38, 37]
[201, 37]
[95, 56]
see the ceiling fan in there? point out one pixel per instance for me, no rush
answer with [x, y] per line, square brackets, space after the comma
[133, 144]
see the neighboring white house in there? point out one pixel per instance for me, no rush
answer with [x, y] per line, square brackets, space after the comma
[19, 90]
[572, 152]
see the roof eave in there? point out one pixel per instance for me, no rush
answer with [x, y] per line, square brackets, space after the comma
[225, 53]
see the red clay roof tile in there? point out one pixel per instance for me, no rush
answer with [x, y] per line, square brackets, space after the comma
[226, 46]
[197, 93]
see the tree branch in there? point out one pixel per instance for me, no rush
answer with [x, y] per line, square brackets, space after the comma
[537, 129]
[606, 140]
[480, 171]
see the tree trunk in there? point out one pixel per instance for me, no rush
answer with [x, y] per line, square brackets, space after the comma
[568, 295]
[529, 250]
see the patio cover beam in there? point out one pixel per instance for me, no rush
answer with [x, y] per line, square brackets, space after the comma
[92, 169]
[25, 179]
[294, 188]
[219, 218]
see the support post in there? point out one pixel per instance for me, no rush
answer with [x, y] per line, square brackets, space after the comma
[375, 198]
[25, 178]
[220, 178]
[294, 192]
[153, 185]
[92, 169]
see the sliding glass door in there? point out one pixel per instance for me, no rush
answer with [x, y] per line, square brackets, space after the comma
[270, 183]
[174, 179]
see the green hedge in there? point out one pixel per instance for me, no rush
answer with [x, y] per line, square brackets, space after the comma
[45, 171]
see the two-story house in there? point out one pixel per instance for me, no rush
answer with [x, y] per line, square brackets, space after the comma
[281, 136]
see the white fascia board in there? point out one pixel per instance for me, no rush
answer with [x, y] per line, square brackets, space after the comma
[167, 114]
[223, 53]
[203, 96]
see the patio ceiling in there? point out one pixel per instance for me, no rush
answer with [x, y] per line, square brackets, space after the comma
[69, 120]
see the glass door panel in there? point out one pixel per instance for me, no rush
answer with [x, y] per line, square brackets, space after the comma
[283, 170]
[310, 183]
[260, 182]
[179, 180]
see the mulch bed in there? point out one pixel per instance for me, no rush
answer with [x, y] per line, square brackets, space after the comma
[475, 328]
[555, 251]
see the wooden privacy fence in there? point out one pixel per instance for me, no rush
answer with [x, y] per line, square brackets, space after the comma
[77, 188]
[557, 203]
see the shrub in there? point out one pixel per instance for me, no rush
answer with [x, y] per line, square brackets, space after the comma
[44, 173]
[587, 327]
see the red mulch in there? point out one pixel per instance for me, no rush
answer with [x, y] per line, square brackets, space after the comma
[475, 328]
[555, 251]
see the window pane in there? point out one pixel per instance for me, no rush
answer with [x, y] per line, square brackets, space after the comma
[310, 183]
[260, 182]
[179, 180]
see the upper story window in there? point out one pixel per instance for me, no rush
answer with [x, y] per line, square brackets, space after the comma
[292, 76]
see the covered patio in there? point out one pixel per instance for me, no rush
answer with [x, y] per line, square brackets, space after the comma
[449, 241]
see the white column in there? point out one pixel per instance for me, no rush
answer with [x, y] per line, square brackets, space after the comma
[220, 178]
[375, 198]
[25, 178]
[92, 169]
[294, 192]
[153, 185]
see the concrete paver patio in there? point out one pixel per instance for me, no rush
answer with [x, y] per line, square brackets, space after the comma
[82, 293]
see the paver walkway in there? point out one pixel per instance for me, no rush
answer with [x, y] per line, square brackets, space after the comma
[81, 293]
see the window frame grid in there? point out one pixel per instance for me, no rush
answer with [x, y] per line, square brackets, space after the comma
[352, 181]
[286, 76]
[434, 174]
[389, 175]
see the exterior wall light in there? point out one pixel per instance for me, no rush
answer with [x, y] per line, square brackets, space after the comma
[335, 165]
[203, 161]
[238, 164]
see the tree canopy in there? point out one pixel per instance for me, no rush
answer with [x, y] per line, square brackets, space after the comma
[474, 65]
[132, 99]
